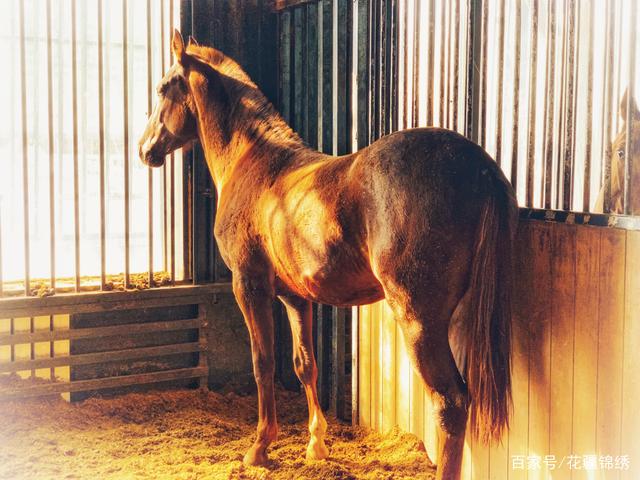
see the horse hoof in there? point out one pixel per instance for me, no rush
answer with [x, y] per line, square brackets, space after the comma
[317, 450]
[256, 457]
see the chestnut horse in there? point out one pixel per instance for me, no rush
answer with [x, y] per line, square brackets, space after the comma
[619, 157]
[422, 218]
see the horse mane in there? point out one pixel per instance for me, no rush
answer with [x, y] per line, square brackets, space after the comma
[252, 113]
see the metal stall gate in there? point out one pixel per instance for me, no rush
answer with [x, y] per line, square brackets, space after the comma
[95, 234]
[540, 84]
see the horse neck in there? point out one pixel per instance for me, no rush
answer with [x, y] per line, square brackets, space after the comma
[245, 138]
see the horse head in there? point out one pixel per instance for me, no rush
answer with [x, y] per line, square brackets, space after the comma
[173, 120]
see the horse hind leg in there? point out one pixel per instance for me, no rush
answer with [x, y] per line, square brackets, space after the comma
[424, 320]
[300, 319]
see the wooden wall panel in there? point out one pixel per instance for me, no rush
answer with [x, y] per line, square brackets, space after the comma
[575, 361]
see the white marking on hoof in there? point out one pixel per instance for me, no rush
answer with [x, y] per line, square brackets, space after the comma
[317, 450]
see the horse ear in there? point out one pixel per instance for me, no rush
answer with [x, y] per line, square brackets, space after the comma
[177, 45]
[622, 110]
[192, 42]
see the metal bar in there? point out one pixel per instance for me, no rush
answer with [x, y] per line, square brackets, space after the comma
[338, 362]
[76, 187]
[405, 52]
[586, 197]
[149, 170]
[91, 358]
[173, 175]
[567, 176]
[483, 74]
[430, 59]
[103, 236]
[395, 38]
[549, 104]
[608, 96]
[312, 75]
[516, 90]
[164, 166]
[326, 58]
[355, 369]
[456, 65]
[533, 71]
[559, 183]
[443, 63]
[363, 75]
[25, 154]
[297, 62]
[100, 383]
[501, 19]
[52, 208]
[98, 332]
[416, 65]
[379, 96]
[629, 147]
[473, 69]
[125, 123]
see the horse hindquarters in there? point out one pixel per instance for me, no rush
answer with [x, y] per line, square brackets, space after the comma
[470, 296]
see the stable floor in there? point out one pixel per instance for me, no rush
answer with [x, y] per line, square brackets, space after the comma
[188, 434]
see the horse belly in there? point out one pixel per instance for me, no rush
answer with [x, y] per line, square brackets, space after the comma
[339, 283]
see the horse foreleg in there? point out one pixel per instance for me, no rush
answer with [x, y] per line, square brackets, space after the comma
[255, 298]
[304, 362]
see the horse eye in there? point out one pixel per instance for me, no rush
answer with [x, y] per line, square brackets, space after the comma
[620, 153]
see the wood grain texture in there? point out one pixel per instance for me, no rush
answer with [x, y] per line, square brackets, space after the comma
[575, 361]
[563, 283]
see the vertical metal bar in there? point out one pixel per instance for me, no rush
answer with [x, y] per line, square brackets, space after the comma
[405, 53]
[326, 19]
[629, 147]
[567, 176]
[474, 60]
[416, 64]
[312, 75]
[608, 96]
[430, 60]
[586, 197]
[297, 62]
[25, 154]
[533, 70]
[501, 19]
[516, 91]
[338, 364]
[549, 104]
[125, 123]
[52, 208]
[394, 100]
[456, 65]
[76, 187]
[559, 184]
[149, 171]
[173, 175]
[381, 69]
[165, 249]
[483, 74]
[443, 63]
[363, 75]
[103, 250]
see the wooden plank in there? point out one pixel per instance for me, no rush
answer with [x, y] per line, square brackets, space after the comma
[631, 361]
[355, 365]
[610, 342]
[325, 30]
[279, 5]
[285, 65]
[338, 362]
[365, 367]
[585, 362]
[563, 297]
[110, 356]
[403, 381]
[539, 340]
[522, 299]
[388, 367]
[376, 384]
[101, 383]
[101, 301]
[126, 329]
[312, 71]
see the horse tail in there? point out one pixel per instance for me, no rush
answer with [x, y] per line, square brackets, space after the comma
[488, 332]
